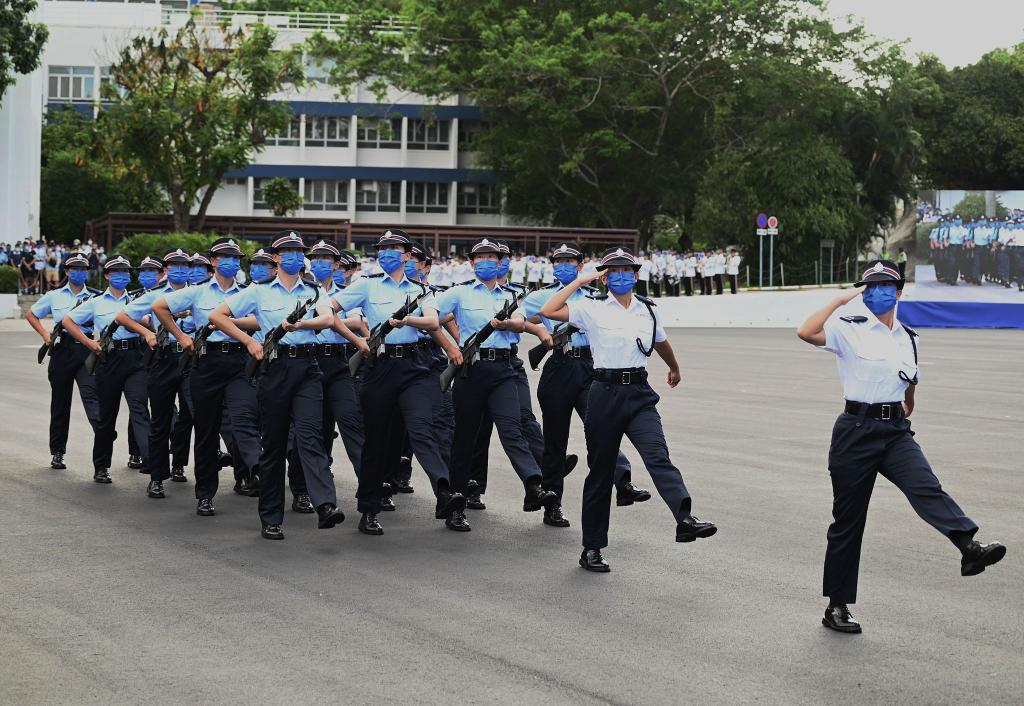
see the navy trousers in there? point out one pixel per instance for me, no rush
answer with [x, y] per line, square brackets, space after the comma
[164, 384]
[860, 450]
[122, 373]
[614, 411]
[444, 421]
[65, 370]
[181, 429]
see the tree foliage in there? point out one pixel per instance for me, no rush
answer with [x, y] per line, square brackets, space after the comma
[972, 206]
[140, 245]
[281, 197]
[190, 107]
[21, 41]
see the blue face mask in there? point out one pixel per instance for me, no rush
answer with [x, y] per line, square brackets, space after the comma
[339, 277]
[258, 271]
[228, 266]
[321, 269]
[292, 261]
[621, 282]
[410, 270]
[879, 299]
[177, 274]
[119, 280]
[197, 275]
[148, 278]
[78, 277]
[486, 270]
[565, 272]
[503, 267]
[389, 260]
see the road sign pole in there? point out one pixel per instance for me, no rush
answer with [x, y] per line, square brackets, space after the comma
[771, 259]
[760, 262]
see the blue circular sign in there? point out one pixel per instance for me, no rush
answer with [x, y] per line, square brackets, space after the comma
[762, 220]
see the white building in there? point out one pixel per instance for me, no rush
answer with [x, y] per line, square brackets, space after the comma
[336, 150]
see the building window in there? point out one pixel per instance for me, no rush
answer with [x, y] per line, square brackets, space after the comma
[469, 134]
[319, 70]
[257, 192]
[71, 83]
[382, 134]
[235, 181]
[428, 134]
[326, 131]
[289, 136]
[326, 194]
[378, 195]
[426, 197]
[478, 198]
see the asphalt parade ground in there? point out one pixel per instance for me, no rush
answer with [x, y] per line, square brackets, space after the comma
[107, 596]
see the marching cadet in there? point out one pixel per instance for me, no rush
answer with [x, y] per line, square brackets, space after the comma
[398, 382]
[619, 326]
[489, 384]
[120, 370]
[216, 381]
[165, 382]
[291, 395]
[564, 386]
[67, 356]
[878, 368]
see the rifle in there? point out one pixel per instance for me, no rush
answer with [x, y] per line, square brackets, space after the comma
[106, 342]
[198, 346]
[255, 367]
[561, 339]
[55, 334]
[151, 353]
[471, 349]
[380, 332]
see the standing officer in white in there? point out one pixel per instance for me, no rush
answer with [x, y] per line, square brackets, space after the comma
[733, 270]
[877, 358]
[623, 331]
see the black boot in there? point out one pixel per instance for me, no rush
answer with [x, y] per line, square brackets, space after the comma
[627, 494]
[155, 489]
[329, 515]
[447, 503]
[302, 504]
[691, 529]
[976, 556]
[100, 475]
[178, 474]
[553, 516]
[591, 560]
[57, 462]
[368, 524]
[838, 618]
[457, 521]
[474, 501]
[537, 497]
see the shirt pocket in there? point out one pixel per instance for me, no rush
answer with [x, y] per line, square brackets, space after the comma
[872, 364]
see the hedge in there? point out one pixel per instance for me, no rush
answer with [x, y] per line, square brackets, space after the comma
[136, 247]
[8, 279]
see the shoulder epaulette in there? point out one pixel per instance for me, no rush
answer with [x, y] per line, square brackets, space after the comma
[588, 288]
[264, 280]
[135, 292]
[94, 292]
[598, 297]
[204, 281]
[468, 281]
[374, 276]
[853, 319]
[243, 285]
[645, 300]
[423, 287]
[310, 281]
[909, 330]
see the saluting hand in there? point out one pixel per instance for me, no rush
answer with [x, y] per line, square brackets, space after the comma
[255, 349]
[850, 296]
[587, 277]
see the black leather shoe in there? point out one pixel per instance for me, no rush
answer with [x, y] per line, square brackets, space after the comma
[225, 459]
[473, 499]
[303, 505]
[537, 497]
[247, 488]
[329, 515]
[387, 504]
[447, 503]
[692, 529]
[178, 474]
[839, 618]
[134, 461]
[457, 521]
[404, 486]
[272, 532]
[101, 476]
[627, 494]
[368, 524]
[205, 508]
[57, 462]
[155, 489]
[570, 463]
[977, 556]
[591, 560]
[553, 516]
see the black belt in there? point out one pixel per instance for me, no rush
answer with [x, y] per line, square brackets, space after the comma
[621, 376]
[329, 350]
[885, 411]
[495, 354]
[427, 344]
[126, 344]
[224, 347]
[514, 348]
[172, 348]
[306, 350]
[575, 352]
[400, 350]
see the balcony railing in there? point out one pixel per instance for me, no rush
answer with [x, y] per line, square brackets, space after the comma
[299, 21]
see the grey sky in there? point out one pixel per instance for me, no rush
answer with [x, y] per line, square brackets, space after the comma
[957, 32]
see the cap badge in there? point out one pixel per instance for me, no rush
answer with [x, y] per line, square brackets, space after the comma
[879, 267]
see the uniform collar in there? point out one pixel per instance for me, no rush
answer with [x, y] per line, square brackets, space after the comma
[214, 284]
[477, 283]
[278, 283]
[633, 302]
[388, 281]
[107, 293]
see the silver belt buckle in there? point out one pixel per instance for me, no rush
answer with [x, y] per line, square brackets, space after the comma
[225, 347]
[576, 352]
[123, 345]
[399, 351]
[327, 350]
[886, 412]
[293, 351]
[178, 348]
[627, 378]
[490, 354]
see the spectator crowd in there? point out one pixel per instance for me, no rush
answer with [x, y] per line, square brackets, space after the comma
[40, 263]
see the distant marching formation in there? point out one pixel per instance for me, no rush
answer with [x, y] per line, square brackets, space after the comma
[404, 369]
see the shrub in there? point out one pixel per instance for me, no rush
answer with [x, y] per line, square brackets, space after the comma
[8, 279]
[141, 245]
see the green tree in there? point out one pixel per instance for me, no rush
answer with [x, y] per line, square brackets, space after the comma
[21, 41]
[135, 247]
[193, 106]
[972, 206]
[281, 196]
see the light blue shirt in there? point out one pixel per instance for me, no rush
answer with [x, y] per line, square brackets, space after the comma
[142, 306]
[272, 303]
[379, 297]
[956, 237]
[329, 335]
[100, 311]
[202, 299]
[59, 302]
[474, 305]
[535, 300]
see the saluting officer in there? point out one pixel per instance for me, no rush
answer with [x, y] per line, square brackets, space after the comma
[877, 358]
[399, 382]
[164, 383]
[565, 385]
[121, 371]
[489, 384]
[67, 356]
[291, 394]
[216, 380]
[623, 331]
